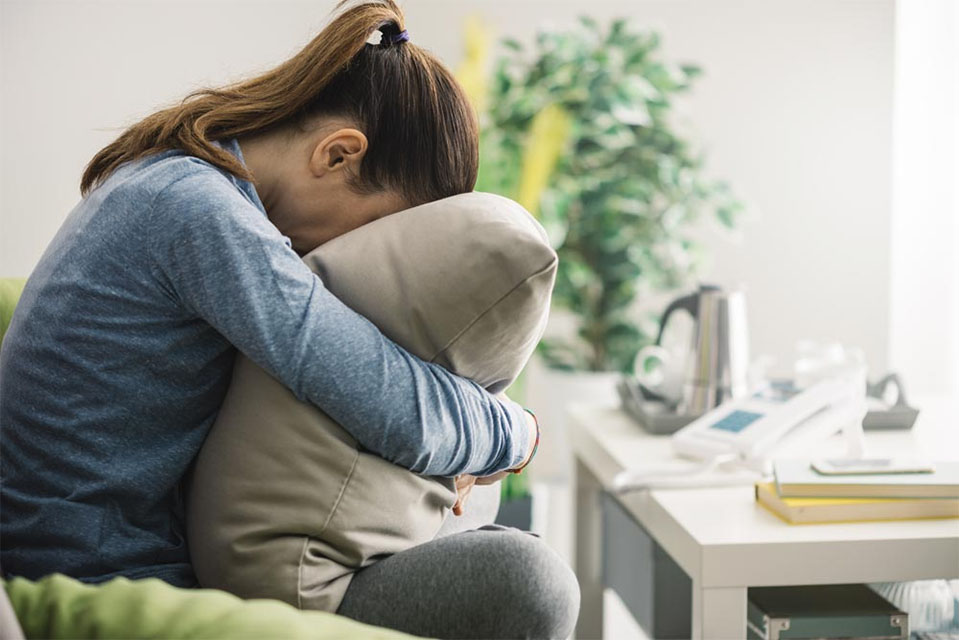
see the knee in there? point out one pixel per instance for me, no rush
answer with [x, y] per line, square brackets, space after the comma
[542, 594]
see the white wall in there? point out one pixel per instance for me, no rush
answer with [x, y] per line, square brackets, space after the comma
[74, 73]
[924, 336]
[795, 110]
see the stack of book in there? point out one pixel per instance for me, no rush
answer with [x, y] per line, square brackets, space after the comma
[801, 495]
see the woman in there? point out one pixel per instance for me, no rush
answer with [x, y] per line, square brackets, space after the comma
[184, 248]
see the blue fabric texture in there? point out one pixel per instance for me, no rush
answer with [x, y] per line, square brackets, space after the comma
[120, 352]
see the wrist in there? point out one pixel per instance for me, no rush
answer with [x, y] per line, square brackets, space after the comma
[532, 425]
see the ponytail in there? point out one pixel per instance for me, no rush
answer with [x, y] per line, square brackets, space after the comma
[422, 132]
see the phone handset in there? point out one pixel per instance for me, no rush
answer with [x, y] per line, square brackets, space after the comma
[748, 434]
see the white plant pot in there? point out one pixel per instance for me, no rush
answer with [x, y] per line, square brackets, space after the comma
[549, 392]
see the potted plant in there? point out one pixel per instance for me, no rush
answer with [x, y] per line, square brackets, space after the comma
[580, 128]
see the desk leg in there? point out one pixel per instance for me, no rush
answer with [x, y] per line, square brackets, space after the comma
[719, 613]
[589, 553]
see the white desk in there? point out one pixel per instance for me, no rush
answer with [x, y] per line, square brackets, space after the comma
[726, 542]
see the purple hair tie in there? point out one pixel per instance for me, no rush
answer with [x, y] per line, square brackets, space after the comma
[396, 38]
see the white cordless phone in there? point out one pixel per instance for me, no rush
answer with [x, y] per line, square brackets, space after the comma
[749, 428]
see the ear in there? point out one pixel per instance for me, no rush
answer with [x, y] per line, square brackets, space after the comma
[341, 150]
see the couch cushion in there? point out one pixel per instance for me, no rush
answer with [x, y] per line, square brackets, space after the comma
[10, 290]
[284, 503]
[61, 607]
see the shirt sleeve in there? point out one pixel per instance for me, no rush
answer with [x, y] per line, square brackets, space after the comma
[226, 262]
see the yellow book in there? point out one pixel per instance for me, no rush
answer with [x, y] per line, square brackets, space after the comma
[820, 510]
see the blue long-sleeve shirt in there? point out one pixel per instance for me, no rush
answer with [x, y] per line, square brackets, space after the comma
[120, 352]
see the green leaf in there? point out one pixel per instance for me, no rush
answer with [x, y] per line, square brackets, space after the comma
[620, 205]
[726, 217]
[589, 22]
[692, 71]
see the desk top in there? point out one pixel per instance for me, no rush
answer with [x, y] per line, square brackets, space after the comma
[724, 538]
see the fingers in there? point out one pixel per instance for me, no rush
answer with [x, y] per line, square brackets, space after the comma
[493, 479]
[464, 480]
[464, 484]
[458, 508]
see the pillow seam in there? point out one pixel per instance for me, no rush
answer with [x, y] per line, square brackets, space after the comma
[492, 306]
[339, 497]
[306, 541]
[299, 573]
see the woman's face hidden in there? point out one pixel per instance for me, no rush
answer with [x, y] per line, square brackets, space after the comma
[304, 182]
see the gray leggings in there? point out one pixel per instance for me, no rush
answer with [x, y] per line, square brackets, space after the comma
[490, 582]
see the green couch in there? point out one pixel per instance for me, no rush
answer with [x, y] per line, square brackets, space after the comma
[10, 290]
[61, 607]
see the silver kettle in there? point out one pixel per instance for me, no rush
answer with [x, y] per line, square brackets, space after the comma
[717, 363]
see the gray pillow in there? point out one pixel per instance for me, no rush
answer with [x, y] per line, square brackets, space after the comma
[283, 502]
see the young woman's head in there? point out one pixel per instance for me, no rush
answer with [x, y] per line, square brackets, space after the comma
[340, 134]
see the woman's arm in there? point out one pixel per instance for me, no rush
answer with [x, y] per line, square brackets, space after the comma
[221, 258]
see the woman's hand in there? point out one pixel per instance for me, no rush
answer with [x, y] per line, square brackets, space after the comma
[533, 432]
[493, 479]
[464, 484]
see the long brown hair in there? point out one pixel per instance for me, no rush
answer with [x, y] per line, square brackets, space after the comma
[422, 131]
